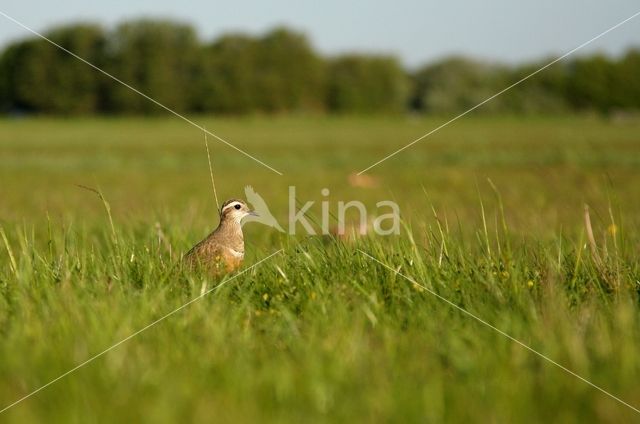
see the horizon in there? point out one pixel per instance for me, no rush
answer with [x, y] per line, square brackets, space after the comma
[508, 41]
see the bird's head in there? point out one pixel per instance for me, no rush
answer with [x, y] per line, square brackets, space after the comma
[234, 210]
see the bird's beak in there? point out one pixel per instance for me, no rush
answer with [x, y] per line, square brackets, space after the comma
[253, 213]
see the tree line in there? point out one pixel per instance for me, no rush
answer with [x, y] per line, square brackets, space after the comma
[280, 72]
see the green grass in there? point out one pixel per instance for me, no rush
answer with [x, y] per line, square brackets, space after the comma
[320, 332]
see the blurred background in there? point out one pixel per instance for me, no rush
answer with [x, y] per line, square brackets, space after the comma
[412, 57]
[320, 92]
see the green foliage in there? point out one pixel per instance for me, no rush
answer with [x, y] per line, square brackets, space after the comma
[626, 89]
[158, 58]
[320, 332]
[6, 91]
[280, 72]
[591, 83]
[456, 84]
[366, 84]
[276, 73]
[40, 77]
[605, 85]
[289, 75]
[544, 93]
[226, 75]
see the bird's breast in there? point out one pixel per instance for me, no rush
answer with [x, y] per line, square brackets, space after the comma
[235, 253]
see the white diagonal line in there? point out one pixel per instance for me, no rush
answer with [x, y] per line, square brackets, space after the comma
[513, 339]
[77, 367]
[501, 92]
[213, 181]
[168, 109]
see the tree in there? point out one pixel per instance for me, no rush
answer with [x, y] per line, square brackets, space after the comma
[289, 74]
[457, 84]
[545, 92]
[159, 58]
[279, 72]
[626, 89]
[6, 76]
[226, 75]
[366, 84]
[590, 83]
[42, 78]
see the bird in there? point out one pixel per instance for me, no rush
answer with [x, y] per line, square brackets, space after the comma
[263, 214]
[222, 251]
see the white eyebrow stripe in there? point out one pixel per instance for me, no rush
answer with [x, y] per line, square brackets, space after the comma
[230, 205]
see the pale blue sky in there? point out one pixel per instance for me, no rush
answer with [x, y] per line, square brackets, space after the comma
[416, 31]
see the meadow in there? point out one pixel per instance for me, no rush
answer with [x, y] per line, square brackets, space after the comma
[493, 221]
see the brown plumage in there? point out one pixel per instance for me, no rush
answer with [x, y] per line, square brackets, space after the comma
[222, 251]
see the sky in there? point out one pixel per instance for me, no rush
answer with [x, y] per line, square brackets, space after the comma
[417, 32]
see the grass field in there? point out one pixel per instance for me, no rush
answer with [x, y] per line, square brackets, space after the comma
[493, 220]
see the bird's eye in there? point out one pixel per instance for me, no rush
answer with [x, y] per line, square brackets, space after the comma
[237, 206]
